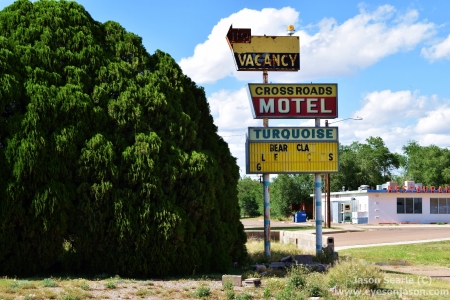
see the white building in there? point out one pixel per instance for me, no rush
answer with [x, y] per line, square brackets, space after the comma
[390, 204]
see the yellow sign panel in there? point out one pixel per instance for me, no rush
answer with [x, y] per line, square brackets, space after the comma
[272, 53]
[293, 89]
[269, 44]
[292, 157]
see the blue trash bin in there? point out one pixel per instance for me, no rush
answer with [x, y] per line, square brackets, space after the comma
[300, 216]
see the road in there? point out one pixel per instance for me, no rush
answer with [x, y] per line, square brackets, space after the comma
[363, 235]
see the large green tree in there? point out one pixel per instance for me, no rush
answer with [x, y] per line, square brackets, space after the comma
[286, 189]
[110, 160]
[369, 163]
[251, 197]
[429, 165]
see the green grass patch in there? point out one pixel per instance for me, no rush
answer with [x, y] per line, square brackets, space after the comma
[425, 254]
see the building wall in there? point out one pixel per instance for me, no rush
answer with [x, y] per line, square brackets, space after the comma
[381, 207]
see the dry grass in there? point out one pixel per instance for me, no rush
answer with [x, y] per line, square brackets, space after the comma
[291, 284]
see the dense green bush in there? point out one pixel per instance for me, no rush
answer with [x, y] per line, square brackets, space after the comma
[110, 159]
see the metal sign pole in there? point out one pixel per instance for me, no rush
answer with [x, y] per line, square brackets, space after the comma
[318, 205]
[266, 182]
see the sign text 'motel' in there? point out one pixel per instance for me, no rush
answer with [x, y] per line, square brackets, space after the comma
[293, 101]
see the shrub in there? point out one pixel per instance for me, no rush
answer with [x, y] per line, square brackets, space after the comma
[202, 291]
[326, 256]
[244, 296]
[48, 282]
[315, 286]
[230, 294]
[297, 276]
[110, 285]
[355, 274]
[229, 289]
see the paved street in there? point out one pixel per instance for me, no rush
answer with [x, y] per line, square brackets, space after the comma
[351, 235]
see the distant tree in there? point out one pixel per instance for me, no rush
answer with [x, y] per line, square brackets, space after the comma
[349, 169]
[364, 164]
[110, 160]
[286, 189]
[429, 165]
[251, 197]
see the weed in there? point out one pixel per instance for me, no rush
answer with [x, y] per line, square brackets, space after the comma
[355, 274]
[278, 251]
[49, 282]
[74, 294]
[230, 294]
[228, 285]
[326, 256]
[244, 296]
[314, 285]
[289, 293]
[143, 293]
[250, 274]
[49, 294]
[21, 284]
[110, 285]
[30, 297]
[68, 297]
[202, 291]
[84, 286]
[297, 276]
[267, 293]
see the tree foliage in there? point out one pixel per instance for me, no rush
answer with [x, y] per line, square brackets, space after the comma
[251, 197]
[364, 164]
[286, 189]
[110, 159]
[429, 165]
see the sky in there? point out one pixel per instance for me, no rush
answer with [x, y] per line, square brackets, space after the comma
[390, 60]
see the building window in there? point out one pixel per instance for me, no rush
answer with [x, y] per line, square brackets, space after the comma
[409, 205]
[439, 206]
[434, 206]
[417, 205]
[400, 205]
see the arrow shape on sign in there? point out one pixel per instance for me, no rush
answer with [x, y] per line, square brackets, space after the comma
[238, 35]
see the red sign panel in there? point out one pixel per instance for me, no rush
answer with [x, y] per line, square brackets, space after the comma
[294, 101]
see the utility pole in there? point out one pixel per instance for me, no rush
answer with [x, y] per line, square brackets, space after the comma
[266, 183]
[318, 205]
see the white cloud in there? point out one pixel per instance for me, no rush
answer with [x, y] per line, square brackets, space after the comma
[360, 41]
[213, 60]
[231, 110]
[438, 51]
[385, 107]
[399, 117]
[435, 122]
[334, 49]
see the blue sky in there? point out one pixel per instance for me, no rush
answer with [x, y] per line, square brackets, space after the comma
[390, 59]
